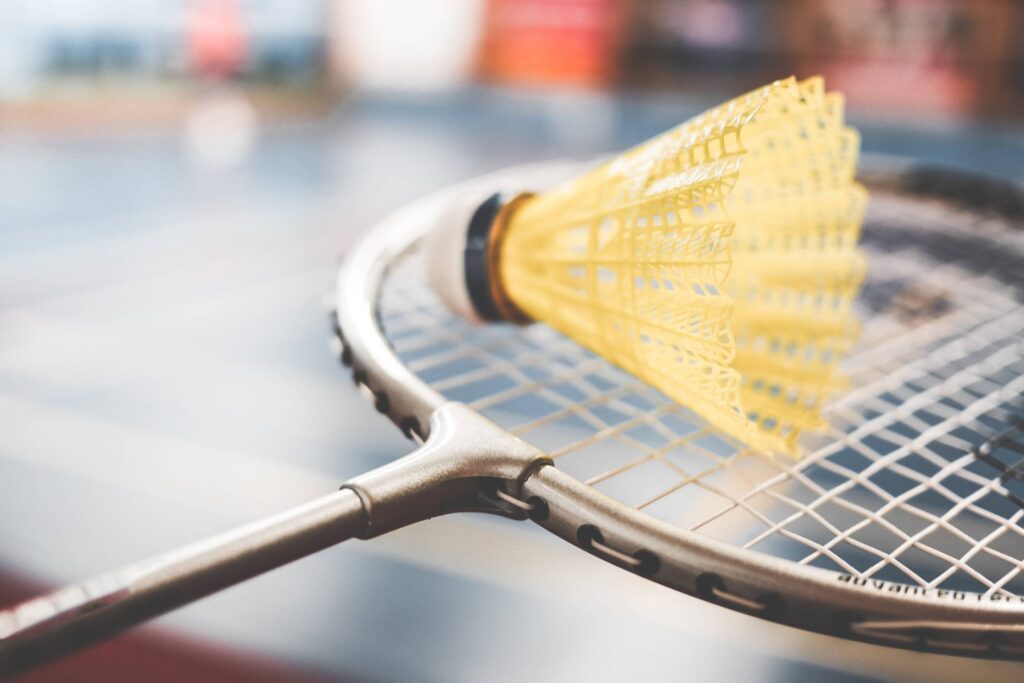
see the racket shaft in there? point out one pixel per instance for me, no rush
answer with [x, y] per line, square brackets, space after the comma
[50, 626]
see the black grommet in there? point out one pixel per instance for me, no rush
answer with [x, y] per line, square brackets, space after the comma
[706, 585]
[842, 623]
[587, 534]
[382, 402]
[410, 426]
[649, 563]
[539, 509]
[359, 377]
[475, 258]
[346, 355]
[994, 640]
[774, 605]
[921, 636]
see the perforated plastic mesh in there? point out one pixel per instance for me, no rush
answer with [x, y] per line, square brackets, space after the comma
[717, 262]
[919, 477]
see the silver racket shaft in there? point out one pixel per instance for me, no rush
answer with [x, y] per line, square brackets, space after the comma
[464, 456]
[50, 626]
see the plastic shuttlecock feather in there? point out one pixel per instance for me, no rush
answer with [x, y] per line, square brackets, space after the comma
[717, 262]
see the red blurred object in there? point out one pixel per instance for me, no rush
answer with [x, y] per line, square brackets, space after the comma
[217, 42]
[564, 42]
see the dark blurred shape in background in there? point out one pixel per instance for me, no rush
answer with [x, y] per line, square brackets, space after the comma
[893, 58]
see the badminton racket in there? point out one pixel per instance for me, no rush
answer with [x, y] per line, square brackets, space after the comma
[901, 525]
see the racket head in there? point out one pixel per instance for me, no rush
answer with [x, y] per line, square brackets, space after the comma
[902, 525]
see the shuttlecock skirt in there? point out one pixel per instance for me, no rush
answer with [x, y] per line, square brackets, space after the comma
[718, 262]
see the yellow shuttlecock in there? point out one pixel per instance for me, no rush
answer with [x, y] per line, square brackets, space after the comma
[717, 262]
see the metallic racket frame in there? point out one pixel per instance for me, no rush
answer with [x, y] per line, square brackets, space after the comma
[786, 592]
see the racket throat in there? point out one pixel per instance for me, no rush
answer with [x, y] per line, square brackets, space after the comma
[465, 461]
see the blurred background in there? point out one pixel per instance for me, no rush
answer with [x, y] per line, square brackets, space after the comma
[178, 179]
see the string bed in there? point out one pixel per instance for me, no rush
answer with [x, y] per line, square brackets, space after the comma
[918, 477]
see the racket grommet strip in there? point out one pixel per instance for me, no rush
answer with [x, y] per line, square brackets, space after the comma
[643, 562]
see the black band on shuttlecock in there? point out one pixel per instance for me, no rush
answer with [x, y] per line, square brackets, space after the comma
[478, 236]
[483, 244]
